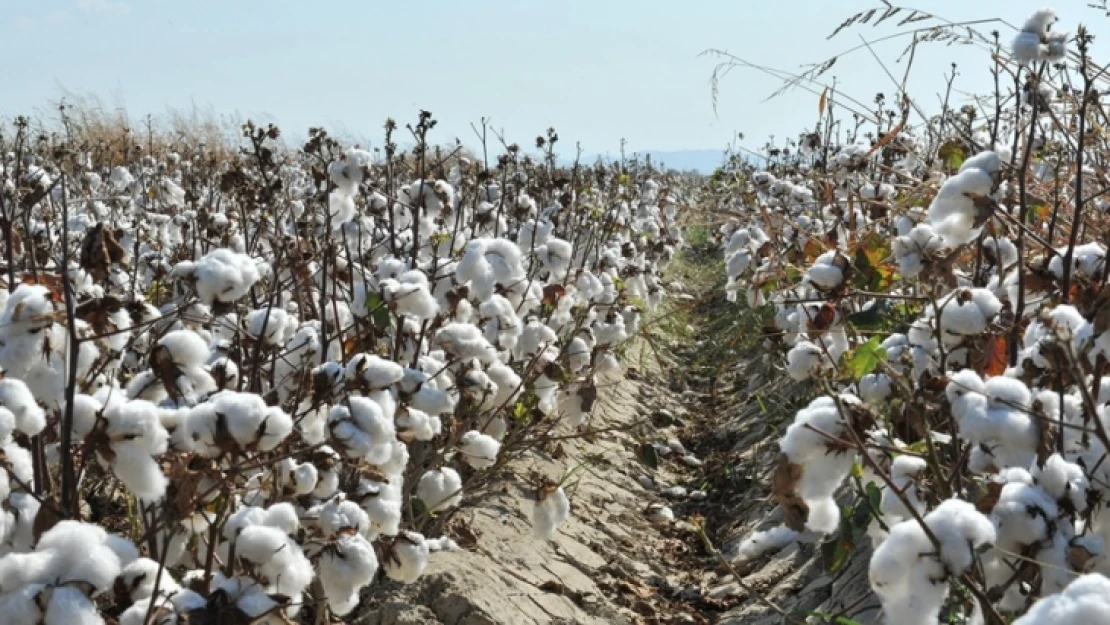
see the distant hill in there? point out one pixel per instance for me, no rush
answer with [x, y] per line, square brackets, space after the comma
[703, 161]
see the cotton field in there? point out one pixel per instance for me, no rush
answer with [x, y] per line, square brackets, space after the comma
[940, 290]
[244, 387]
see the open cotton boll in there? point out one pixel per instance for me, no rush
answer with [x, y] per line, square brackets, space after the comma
[279, 557]
[908, 573]
[1064, 481]
[479, 450]
[440, 489]
[220, 276]
[1085, 601]
[362, 430]
[488, 262]
[1032, 43]
[347, 565]
[767, 541]
[273, 325]
[904, 472]
[373, 372]
[413, 424]
[1088, 260]
[507, 381]
[250, 422]
[29, 417]
[823, 468]
[556, 256]
[828, 271]
[140, 577]
[465, 341]
[967, 312]
[551, 510]
[68, 605]
[406, 558]
[805, 360]
[410, 295]
[953, 213]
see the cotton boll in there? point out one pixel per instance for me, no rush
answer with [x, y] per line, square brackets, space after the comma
[362, 430]
[346, 566]
[552, 509]
[1085, 601]
[338, 514]
[465, 341]
[875, 388]
[406, 558]
[767, 541]
[413, 424]
[823, 470]
[479, 450]
[410, 296]
[30, 418]
[907, 572]
[507, 381]
[220, 276]
[372, 372]
[440, 489]
[67, 605]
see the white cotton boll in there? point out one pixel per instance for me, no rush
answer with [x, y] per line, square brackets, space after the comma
[551, 510]
[273, 325]
[363, 430]
[903, 472]
[507, 381]
[186, 348]
[465, 341]
[140, 577]
[804, 360]
[338, 514]
[382, 503]
[875, 388]
[21, 606]
[410, 296]
[413, 424]
[281, 560]
[1022, 515]
[823, 470]
[69, 606]
[479, 450]
[967, 312]
[30, 418]
[488, 262]
[1085, 601]
[221, 275]
[374, 372]
[139, 472]
[251, 423]
[767, 541]
[907, 573]
[440, 489]
[406, 558]
[1064, 481]
[1088, 260]
[825, 274]
[953, 213]
[347, 566]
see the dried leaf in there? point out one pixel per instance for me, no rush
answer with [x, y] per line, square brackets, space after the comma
[823, 102]
[784, 487]
[996, 357]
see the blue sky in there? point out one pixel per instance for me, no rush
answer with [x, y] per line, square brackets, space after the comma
[596, 70]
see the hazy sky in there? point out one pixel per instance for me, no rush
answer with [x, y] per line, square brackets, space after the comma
[596, 70]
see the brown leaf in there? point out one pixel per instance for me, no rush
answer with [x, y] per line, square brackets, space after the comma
[784, 486]
[989, 499]
[996, 357]
[552, 293]
[824, 318]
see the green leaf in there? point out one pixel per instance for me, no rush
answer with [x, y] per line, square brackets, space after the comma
[952, 154]
[379, 314]
[866, 358]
